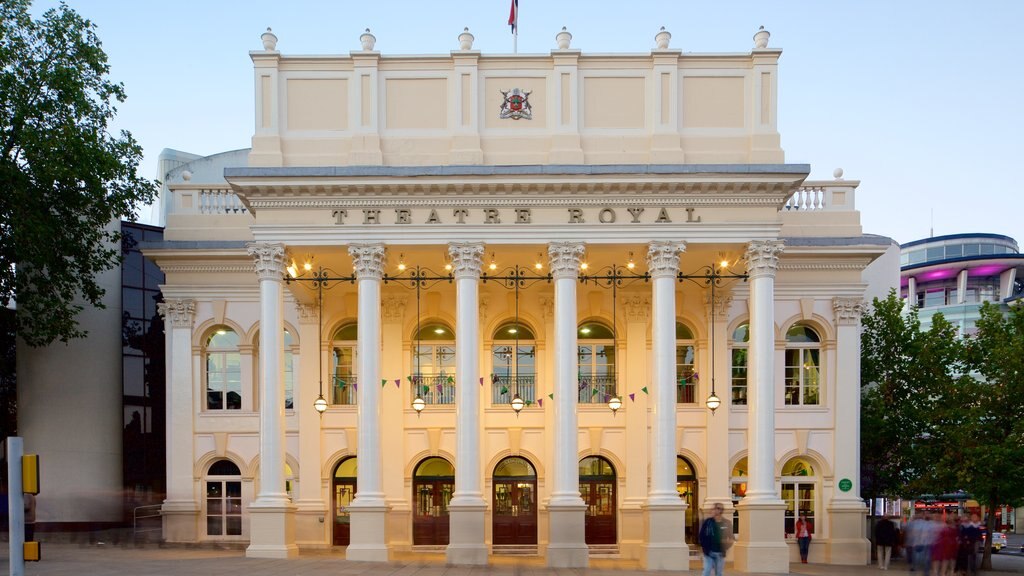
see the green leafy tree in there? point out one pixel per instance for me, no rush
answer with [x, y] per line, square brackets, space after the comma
[982, 426]
[63, 176]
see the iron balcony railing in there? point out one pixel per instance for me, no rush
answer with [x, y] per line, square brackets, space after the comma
[343, 391]
[596, 388]
[504, 388]
[433, 388]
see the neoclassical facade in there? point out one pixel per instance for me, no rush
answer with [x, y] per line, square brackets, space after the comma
[515, 281]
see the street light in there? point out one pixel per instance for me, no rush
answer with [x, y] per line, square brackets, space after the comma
[614, 404]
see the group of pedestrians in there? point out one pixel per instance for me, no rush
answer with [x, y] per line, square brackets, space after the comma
[933, 546]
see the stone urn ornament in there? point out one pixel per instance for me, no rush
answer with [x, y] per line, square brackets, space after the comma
[269, 40]
[662, 38]
[466, 40]
[563, 38]
[367, 41]
[761, 38]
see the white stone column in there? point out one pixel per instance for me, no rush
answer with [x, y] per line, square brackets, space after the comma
[719, 488]
[466, 544]
[846, 510]
[309, 530]
[180, 509]
[272, 515]
[567, 546]
[368, 512]
[761, 546]
[666, 547]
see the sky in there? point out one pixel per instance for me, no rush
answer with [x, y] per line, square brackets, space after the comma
[922, 101]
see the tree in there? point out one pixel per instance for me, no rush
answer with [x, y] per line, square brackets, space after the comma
[63, 176]
[983, 428]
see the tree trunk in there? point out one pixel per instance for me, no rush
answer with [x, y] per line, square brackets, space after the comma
[990, 524]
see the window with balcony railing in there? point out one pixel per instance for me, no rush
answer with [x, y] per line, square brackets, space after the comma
[433, 364]
[686, 384]
[344, 381]
[596, 362]
[738, 368]
[513, 364]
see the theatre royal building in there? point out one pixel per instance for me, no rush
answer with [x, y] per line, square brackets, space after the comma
[551, 305]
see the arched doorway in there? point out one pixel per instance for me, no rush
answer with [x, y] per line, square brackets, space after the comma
[514, 501]
[432, 485]
[686, 484]
[344, 491]
[597, 487]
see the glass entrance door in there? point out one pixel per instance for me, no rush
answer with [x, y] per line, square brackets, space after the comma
[515, 503]
[433, 485]
[597, 487]
[344, 491]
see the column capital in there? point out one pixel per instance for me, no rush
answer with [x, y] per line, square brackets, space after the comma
[269, 257]
[178, 312]
[467, 257]
[638, 308]
[762, 257]
[663, 258]
[565, 258]
[847, 311]
[719, 309]
[368, 260]
[393, 308]
[307, 313]
[547, 307]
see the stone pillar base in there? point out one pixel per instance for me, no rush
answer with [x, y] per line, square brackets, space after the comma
[271, 531]
[368, 530]
[847, 528]
[567, 546]
[666, 547]
[466, 540]
[181, 521]
[311, 524]
[762, 544]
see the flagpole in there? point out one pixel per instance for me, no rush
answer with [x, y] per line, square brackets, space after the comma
[515, 33]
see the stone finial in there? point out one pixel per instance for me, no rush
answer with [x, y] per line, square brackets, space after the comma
[838, 173]
[662, 38]
[269, 40]
[367, 41]
[761, 38]
[466, 40]
[563, 38]
[186, 176]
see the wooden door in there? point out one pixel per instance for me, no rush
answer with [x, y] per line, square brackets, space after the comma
[430, 521]
[515, 511]
[599, 496]
[344, 493]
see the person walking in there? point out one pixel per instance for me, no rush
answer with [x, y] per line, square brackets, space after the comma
[803, 531]
[885, 539]
[712, 542]
[970, 535]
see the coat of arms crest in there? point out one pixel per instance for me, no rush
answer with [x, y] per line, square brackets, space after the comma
[516, 105]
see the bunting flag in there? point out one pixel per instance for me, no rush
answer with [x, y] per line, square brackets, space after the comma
[495, 378]
[341, 384]
[481, 380]
[540, 402]
[504, 390]
[383, 383]
[593, 392]
[513, 16]
[451, 379]
[409, 378]
[607, 397]
[644, 390]
[551, 396]
[583, 384]
[632, 397]
[398, 382]
[440, 387]
[426, 389]
[528, 402]
[696, 376]
[355, 386]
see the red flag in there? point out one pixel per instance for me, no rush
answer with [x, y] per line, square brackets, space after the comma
[513, 16]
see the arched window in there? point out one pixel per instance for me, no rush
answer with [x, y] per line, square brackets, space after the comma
[223, 370]
[433, 364]
[803, 366]
[511, 375]
[290, 348]
[343, 365]
[223, 500]
[738, 354]
[686, 384]
[799, 482]
[738, 480]
[596, 357]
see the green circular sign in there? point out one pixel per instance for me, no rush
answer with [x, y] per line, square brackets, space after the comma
[845, 484]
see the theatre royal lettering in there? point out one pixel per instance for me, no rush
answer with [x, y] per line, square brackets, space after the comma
[586, 215]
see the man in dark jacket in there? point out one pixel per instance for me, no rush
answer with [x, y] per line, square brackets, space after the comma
[712, 542]
[885, 538]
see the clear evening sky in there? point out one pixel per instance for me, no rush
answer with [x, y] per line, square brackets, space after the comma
[922, 101]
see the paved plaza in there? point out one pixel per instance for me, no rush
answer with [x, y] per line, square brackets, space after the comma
[70, 559]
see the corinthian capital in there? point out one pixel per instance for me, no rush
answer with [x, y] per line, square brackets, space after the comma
[368, 260]
[663, 258]
[763, 257]
[269, 259]
[565, 258]
[307, 313]
[719, 308]
[847, 311]
[466, 258]
[638, 308]
[178, 312]
[393, 307]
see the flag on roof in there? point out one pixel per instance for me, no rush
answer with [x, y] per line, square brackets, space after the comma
[513, 16]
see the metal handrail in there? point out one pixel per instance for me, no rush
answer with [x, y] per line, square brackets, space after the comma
[144, 513]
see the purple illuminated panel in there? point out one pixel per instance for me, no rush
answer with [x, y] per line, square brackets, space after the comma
[937, 274]
[989, 270]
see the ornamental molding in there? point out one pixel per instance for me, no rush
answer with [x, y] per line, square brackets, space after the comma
[368, 260]
[507, 202]
[269, 259]
[663, 258]
[482, 304]
[178, 312]
[392, 308]
[848, 311]
[547, 307]
[638, 308]
[719, 309]
[467, 259]
[762, 258]
[564, 259]
[306, 312]
[214, 268]
[820, 266]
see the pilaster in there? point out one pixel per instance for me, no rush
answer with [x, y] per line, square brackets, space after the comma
[310, 531]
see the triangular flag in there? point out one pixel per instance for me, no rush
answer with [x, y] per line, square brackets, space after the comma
[552, 395]
[481, 380]
[495, 378]
[383, 382]
[583, 384]
[451, 379]
[696, 376]
[504, 390]
[439, 387]
[398, 382]
[540, 402]
[632, 397]
[528, 402]
[355, 386]
[644, 390]
[593, 392]
[607, 397]
[426, 389]
[409, 378]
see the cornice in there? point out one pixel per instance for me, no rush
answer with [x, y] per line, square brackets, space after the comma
[484, 198]
[209, 268]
